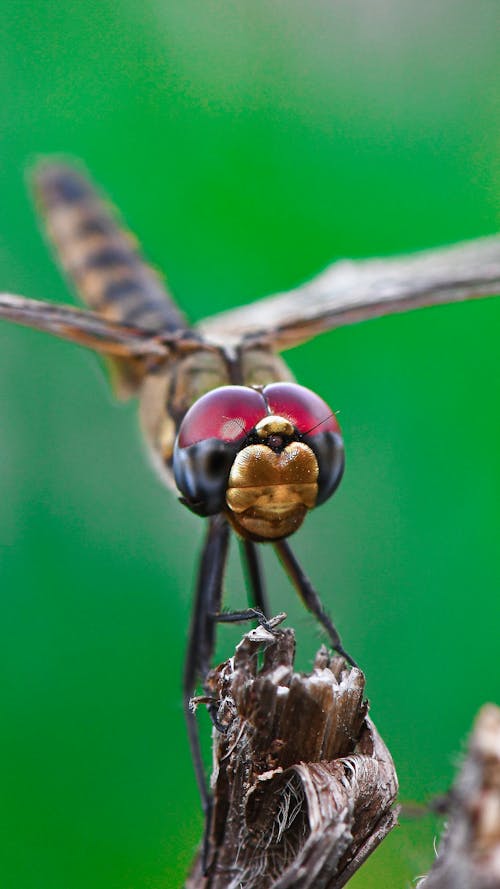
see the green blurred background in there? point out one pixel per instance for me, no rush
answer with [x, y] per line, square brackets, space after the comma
[248, 144]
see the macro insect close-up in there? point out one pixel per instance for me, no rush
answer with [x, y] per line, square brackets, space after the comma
[397, 567]
[243, 448]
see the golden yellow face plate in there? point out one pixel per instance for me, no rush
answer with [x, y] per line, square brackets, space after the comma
[269, 493]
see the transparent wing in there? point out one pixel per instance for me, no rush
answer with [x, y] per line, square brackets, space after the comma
[352, 291]
[83, 327]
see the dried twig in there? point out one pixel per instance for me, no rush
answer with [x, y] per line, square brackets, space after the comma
[303, 784]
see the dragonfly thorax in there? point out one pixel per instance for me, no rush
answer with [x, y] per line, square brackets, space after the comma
[264, 456]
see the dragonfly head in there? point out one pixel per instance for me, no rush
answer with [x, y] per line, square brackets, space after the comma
[263, 456]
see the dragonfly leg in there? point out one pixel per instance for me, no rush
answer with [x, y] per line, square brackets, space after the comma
[309, 596]
[201, 645]
[255, 581]
[234, 617]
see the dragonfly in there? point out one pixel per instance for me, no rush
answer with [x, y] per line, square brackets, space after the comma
[229, 431]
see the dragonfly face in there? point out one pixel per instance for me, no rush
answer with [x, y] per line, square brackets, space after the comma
[262, 455]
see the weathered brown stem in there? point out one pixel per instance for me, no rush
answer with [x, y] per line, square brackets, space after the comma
[469, 854]
[303, 784]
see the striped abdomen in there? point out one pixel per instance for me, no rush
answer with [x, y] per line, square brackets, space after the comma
[100, 257]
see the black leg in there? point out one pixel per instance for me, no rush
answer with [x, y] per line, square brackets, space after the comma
[202, 637]
[309, 596]
[236, 617]
[255, 582]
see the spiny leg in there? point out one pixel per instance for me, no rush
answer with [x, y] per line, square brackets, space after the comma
[309, 596]
[201, 643]
[236, 617]
[258, 602]
[255, 581]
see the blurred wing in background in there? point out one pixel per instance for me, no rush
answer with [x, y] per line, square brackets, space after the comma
[134, 315]
[82, 327]
[348, 292]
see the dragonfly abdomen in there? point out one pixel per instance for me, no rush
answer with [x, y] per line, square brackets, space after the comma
[99, 256]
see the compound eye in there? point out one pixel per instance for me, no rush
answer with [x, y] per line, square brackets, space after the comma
[209, 437]
[329, 450]
[318, 426]
[227, 414]
[201, 472]
[306, 411]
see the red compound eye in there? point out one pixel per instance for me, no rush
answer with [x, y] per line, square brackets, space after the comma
[306, 410]
[227, 413]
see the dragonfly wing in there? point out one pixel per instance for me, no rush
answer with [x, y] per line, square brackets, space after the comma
[85, 328]
[352, 291]
[102, 260]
